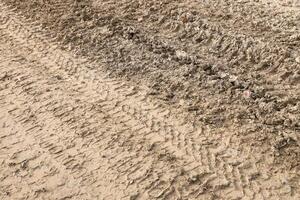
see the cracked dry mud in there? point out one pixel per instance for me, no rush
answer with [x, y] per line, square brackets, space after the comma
[156, 99]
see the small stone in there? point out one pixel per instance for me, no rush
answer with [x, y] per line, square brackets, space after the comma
[181, 54]
[223, 75]
[298, 59]
[24, 164]
[233, 78]
[193, 178]
[247, 94]
[181, 102]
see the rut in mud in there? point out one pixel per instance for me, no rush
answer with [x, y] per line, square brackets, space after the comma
[149, 100]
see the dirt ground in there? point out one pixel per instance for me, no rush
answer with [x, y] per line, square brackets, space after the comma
[149, 99]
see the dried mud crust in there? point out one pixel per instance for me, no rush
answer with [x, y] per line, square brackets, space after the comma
[98, 123]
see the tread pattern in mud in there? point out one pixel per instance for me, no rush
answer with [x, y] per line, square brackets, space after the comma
[104, 139]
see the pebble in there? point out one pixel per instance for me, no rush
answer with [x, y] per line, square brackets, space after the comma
[247, 94]
[223, 75]
[233, 78]
[181, 54]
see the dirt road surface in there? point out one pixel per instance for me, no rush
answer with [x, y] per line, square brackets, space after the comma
[137, 99]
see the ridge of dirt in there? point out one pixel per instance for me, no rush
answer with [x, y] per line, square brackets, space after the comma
[239, 135]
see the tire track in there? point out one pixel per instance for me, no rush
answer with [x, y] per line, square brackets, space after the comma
[124, 112]
[269, 105]
[27, 170]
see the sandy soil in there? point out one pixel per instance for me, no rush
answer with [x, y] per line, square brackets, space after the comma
[136, 99]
